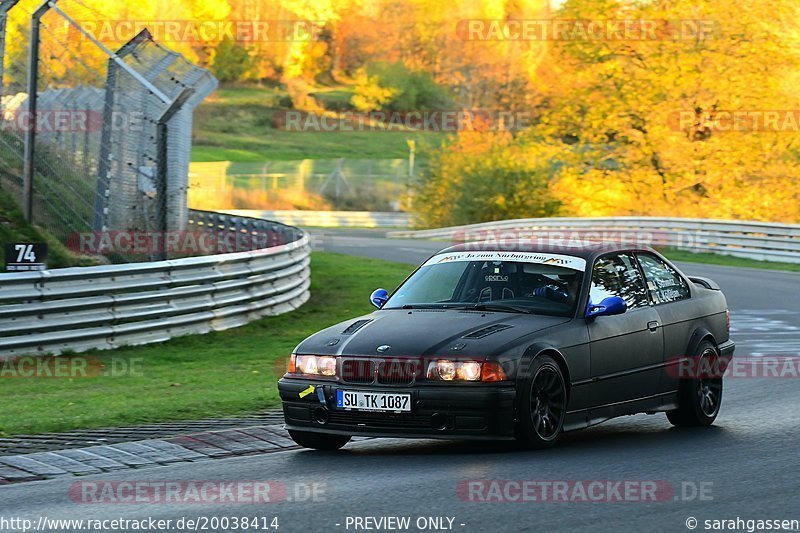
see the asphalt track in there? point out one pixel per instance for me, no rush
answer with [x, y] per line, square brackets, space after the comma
[746, 466]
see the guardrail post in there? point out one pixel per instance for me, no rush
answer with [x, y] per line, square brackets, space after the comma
[162, 165]
[30, 133]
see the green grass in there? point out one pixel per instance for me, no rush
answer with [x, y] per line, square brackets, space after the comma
[13, 228]
[334, 98]
[222, 373]
[254, 143]
[727, 260]
[242, 95]
[236, 124]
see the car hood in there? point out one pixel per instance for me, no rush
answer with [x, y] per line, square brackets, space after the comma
[426, 332]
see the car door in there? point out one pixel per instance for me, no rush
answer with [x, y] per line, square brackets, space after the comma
[670, 293]
[627, 349]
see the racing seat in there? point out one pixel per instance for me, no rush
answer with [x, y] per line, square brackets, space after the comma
[496, 281]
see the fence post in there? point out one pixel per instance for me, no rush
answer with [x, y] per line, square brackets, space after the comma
[103, 182]
[162, 165]
[30, 133]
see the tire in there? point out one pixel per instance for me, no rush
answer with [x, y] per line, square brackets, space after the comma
[543, 405]
[319, 441]
[699, 396]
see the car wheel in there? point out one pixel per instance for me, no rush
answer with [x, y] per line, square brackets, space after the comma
[700, 396]
[319, 441]
[543, 405]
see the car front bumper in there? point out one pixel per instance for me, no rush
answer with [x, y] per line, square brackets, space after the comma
[476, 411]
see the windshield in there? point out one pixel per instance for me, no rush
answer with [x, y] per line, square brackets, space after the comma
[546, 284]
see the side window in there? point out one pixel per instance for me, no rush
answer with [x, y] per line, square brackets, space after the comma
[617, 275]
[665, 285]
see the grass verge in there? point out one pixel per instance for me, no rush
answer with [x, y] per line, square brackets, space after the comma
[218, 374]
[236, 124]
[13, 228]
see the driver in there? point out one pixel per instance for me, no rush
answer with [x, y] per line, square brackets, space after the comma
[566, 294]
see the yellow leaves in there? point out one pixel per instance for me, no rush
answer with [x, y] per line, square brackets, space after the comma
[295, 61]
[210, 9]
[317, 10]
[620, 102]
[369, 95]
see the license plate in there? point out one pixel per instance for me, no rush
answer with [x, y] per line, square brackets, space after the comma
[373, 401]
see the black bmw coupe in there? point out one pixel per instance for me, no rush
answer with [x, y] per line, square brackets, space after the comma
[523, 343]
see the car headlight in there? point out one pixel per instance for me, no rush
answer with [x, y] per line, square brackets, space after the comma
[313, 365]
[327, 366]
[446, 370]
[469, 371]
[443, 369]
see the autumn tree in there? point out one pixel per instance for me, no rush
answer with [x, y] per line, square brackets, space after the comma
[232, 61]
[631, 110]
[480, 176]
[644, 124]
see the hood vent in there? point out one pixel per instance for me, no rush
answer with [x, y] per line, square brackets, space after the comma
[485, 332]
[355, 326]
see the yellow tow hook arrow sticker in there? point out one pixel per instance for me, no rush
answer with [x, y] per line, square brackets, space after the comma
[306, 392]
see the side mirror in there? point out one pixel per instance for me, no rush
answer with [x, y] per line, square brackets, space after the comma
[613, 305]
[379, 297]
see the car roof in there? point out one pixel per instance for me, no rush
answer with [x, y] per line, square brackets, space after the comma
[587, 250]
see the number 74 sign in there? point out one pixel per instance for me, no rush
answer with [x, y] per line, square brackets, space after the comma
[25, 253]
[22, 257]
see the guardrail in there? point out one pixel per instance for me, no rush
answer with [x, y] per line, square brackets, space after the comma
[109, 306]
[763, 241]
[332, 219]
[253, 231]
